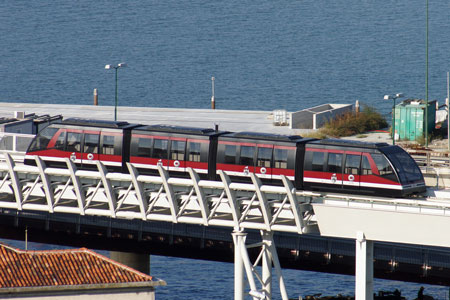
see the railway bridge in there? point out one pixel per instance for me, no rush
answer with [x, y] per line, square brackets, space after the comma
[258, 216]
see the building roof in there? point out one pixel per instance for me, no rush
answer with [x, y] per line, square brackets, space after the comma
[73, 267]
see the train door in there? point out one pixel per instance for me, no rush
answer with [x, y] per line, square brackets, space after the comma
[323, 169]
[246, 161]
[110, 152]
[236, 158]
[73, 145]
[333, 168]
[89, 153]
[197, 155]
[141, 152]
[160, 152]
[263, 168]
[283, 162]
[351, 175]
[177, 157]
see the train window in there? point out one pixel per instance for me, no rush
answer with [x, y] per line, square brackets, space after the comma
[177, 150]
[280, 158]
[383, 166]
[352, 163]
[43, 138]
[74, 142]
[194, 151]
[365, 166]
[160, 148]
[230, 154]
[264, 157]
[406, 167]
[318, 160]
[91, 143]
[247, 154]
[108, 144]
[144, 147]
[334, 163]
[59, 144]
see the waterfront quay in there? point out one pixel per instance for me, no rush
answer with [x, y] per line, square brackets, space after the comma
[280, 214]
[229, 120]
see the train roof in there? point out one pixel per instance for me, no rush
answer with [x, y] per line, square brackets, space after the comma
[264, 136]
[349, 143]
[96, 123]
[179, 129]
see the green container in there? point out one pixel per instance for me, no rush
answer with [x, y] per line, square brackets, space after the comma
[410, 119]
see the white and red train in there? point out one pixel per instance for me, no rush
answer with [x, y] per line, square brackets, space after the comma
[328, 165]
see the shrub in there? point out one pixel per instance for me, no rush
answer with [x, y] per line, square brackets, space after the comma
[354, 123]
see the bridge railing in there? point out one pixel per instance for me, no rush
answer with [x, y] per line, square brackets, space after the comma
[162, 198]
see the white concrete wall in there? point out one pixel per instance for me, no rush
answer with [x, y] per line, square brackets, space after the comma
[320, 118]
[316, 117]
[301, 119]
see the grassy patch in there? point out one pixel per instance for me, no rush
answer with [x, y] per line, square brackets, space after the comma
[353, 123]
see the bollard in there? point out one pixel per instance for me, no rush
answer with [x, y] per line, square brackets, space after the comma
[95, 97]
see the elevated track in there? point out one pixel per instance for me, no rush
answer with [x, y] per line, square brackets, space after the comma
[224, 203]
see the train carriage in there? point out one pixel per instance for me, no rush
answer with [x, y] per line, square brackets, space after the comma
[174, 148]
[268, 156]
[361, 168]
[323, 165]
[84, 142]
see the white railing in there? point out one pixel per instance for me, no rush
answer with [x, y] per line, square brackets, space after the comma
[160, 198]
[192, 200]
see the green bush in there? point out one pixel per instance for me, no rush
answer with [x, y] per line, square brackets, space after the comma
[354, 123]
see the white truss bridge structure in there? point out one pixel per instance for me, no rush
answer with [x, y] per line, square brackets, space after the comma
[241, 206]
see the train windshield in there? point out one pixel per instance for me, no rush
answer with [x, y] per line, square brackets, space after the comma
[42, 139]
[406, 167]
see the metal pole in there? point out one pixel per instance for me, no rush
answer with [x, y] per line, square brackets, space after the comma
[26, 238]
[448, 112]
[213, 100]
[248, 269]
[393, 122]
[276, 264]
[426, 83]
[115, 104]
[267, 264]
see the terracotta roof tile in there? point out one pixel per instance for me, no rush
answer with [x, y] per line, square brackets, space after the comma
[19, 268]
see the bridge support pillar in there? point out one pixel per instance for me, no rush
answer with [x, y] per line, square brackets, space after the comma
[364, 268]
[239, 240]
[267, 257]
[140, 262]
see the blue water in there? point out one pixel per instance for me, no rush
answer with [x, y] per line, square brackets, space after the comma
[189, 279]
[264, 55]
[197, 279]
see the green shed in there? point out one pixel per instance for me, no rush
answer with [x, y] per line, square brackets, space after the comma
[410, 119]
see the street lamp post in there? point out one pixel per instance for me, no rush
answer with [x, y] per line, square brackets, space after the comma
[393, 97]
[109, 67]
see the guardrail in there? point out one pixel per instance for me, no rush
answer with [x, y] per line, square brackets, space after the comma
[160, 198]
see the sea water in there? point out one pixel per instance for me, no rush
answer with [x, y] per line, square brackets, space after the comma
[264, 55]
